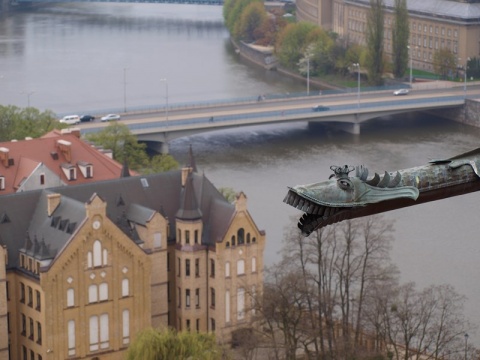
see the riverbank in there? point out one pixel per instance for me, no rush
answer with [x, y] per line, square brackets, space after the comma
[264, 56]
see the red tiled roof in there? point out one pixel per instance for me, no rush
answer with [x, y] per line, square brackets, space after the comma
[27, 155]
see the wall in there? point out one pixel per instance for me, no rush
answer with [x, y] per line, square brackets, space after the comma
[468, 114]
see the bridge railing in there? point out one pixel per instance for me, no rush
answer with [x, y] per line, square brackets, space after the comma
[158, 108]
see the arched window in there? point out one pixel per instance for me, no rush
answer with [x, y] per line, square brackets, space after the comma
[248, 238]
[240, 303]
[227, 306]
[233, 240]
[71, 337]
[103, 291]
[93, 330]
[92, 293]
[89, 260]
[227, 244]
[105, 257]
[125, 287]
[254, 264]
[227, 269]
[241, 236]
[104, 334]
[97, 253]
[70, 297]
[240, 267]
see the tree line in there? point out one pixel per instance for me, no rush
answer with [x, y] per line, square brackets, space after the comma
[303, 47]
[337, 295]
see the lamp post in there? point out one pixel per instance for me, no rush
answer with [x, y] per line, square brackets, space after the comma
[465, 78]
[308, 75]
[410, 51]
[125, 90]
[166, 99]
[466, 345]
[28, 93]
[357, 65]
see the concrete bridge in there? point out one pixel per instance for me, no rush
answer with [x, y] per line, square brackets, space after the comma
[347, 115]
[198, 2]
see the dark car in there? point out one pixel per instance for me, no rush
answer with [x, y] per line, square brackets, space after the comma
[320, 108]
[87, 118]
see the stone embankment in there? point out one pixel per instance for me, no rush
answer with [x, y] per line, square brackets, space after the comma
[264, 56]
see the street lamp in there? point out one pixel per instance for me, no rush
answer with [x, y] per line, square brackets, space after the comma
[166, 99]
[410, 50]
[465, 77]
[308, 75]
[357, 65]
[466, 343]
[125, 90]
[28, 93]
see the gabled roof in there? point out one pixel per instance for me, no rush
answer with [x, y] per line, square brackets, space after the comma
[134, 198]
[54, 150]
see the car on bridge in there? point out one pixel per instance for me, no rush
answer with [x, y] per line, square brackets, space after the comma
[400, 92]
[110, 117]
[87, 118]
[320, 108]
[70, 120]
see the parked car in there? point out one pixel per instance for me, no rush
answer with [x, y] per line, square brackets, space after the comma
[110, 117]
[70, 120]
[400, 92]
[87, 118]
[320, 108]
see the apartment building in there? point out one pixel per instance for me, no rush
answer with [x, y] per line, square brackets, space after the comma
[434, 24]
[84, 268]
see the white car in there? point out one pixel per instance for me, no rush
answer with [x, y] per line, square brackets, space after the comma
[70, 120]
[400, 92]
[110, 117]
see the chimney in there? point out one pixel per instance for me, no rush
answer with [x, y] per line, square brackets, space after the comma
[4, 156]
[65, 148]
[53, 200]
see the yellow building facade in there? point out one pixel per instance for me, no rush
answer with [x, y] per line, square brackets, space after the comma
[84, 269]
[434, 24]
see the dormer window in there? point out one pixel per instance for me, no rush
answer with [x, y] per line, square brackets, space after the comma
[69, 171]
[42, 179]
[86, 169]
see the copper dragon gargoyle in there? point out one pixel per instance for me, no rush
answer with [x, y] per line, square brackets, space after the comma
[344, 196]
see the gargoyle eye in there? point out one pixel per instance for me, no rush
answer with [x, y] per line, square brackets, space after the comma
[344, 184]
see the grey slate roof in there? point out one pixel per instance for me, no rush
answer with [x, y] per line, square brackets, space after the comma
[445, 9]
[132, 198]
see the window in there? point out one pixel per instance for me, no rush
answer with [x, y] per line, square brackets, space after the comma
[103, 292]
[212, 268]
[254, 264]
[157, 240]
[39, 301]
[197, 298]
[2, 182]
[71, 297]
[22, 293]
[125, 287]
[71, 337]
[248, 238]
[24, 325]
[449, 32]
[240, 303]
[42, 179]
[455, 33]
[187, 267]
[39, 333]
[198, 325]
[32, 332]
[187, 324]
[197, 268]
[179, 266]
[227, 306]
[168, 262]
[196, 236]
[7, 289]
[252, 299]
[431, 29]
[179, 236]
[187, 297]
[89, 260]
[104, 332]
[212, 297]
[240, 267]
[30, 296]
[212, 324]
[97, 253]
[241, 236]
[126, 326]
[187, 236]
[233, 240]
[179, 297]
[99, 331]
[227, 269]
[92, 293]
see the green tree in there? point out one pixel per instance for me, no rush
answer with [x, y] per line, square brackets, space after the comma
[251, 22]
[374, 38]
[444, 63]
[233, 14]
[18, 123]
[291, 42]
[125, 147]
[228, 193]
[400, 35]
[153, 344]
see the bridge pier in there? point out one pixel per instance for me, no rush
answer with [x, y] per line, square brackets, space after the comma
[351, 128]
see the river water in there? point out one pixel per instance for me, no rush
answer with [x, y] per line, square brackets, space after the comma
[87, 57]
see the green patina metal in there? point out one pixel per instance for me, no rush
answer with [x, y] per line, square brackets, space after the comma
[344, 196]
